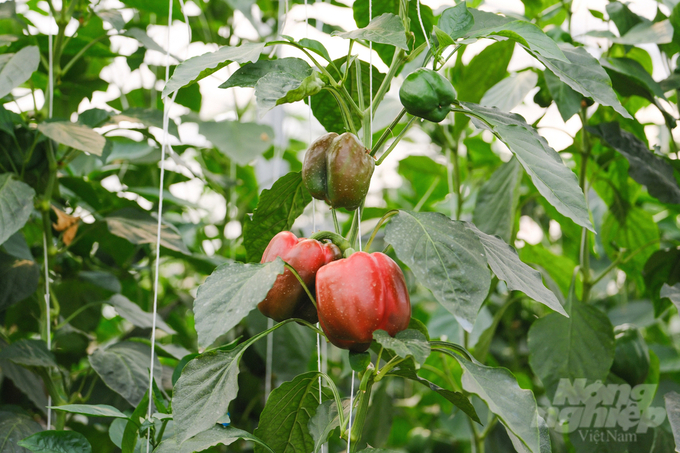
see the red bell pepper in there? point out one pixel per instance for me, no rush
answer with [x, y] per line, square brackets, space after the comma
[287, 298]
[359, 295]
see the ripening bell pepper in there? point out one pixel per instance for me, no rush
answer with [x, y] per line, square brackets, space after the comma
[358, 295]
[338, 170]
[427, 94]
[287, 298]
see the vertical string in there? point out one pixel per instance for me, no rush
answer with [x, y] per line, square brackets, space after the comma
[48, 318]
[449, 174]
[422, 27]
[351, 403]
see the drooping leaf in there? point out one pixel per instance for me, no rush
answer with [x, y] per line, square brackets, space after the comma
[648, 33]
[580, 346]
[445, 257]
[645, 167]
[241, 142]
[124, 368]
[384, 29]
[568, 101]
[552, 178]
[135, 315]
[91, 410]
[515, 407]
[278, 88]
[77, 136]
[405, 343]
[16, 205]
[27, 381]
[456, 21]
[204, 390]
[139, 227]
[672, 293]
[497, 201]
[584, 74]
[510, 92]
[229, 294]
[283, 422]
[249, 74]
[217, 435]
[13, 428]
[322, 423]
[17, 68]
[200, 67]
[57, 442]
[29, 353]
[507, 266]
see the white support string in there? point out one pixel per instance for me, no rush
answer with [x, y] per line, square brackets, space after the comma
[351, 403]
[420, 19]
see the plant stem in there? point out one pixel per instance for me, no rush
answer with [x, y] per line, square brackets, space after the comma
[382, 220]
[387, 133]
[397, 61]
[396, 141]
[584, 249]
[302, 282]
[335, 220]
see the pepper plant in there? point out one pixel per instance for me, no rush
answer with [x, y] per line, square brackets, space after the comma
[448, 325]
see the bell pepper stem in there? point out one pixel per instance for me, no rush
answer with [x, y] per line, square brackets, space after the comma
[387, 132]
[362, 410]
[335, 221]
[382, 220]
[342, 243]
[396, 141]
[295, 273]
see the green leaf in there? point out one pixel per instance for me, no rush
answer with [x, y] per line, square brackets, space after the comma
[16, 205]
[556, 182]
[197, 68]
[278, 88]
[228, 294]
[283, 422]
[568, 101]
[484, 71]
[384, 29]
[27, 381]
[631, 69]
[428, 179]
[672, 400]
[241, 142]
[146, 117]
[113, 17]
[130, 441]
[672, 293]
[644, 166]
[16, 68]
[139, 227]
[322, 423]
[249, 74]
[405, 343]
[13, 428]
[631, 230]
[515, 407]
[445, 257]
[217, 435]
[91, 410]
[157, 7]
[648, 33]
[622, 16]
[19, 278]
[316, 47]
[507, 266]
[29, 353]
[204, 390]
[276, 211]
[75, 135]
[124, 368]
[497, 201]
[457, 398]
[57, 442]
[510, 92]
[558, 345]
[135, 315]
[585, 75]
[456, 21]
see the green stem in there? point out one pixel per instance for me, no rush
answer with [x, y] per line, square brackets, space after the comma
[427, 194]
[364, 398]
[584, 256]
[396, 360]
[397, 61]
[387, 133]
[342, 243]
[621, 260]
[304, 286]
[80, 53]
[401, 135]
[77, 312]
[335, 220]
[382, 220]
[349, 124]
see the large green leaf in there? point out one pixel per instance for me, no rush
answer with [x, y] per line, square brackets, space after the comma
[631, 230]
[384, 29]
[507, 266]
[497, 201]
[276, 211]
[29, 353]
[672, 400]
[323, 422]
[585, 75]
[135, 315]
[13, 428]
[484, 71]
[446, 258]
[428, 179]
[567, 100]
[91, 410]
[647, 33]
[16, 205]
[57, 442]
[146, 117]
[229, 294]
[77, 136]
[217, 435]
[405, 343]
[278, 88]
[580, 346]
[200, 67]
[19, 279]
[249, 74]
[510, 92]
[139, 227]
[456, 21]
[635, 73]
[556, 182]
[16, 68]
[515, 407]
[27, 381]
[284, 420]
[645, 167]
[241, 142]
[204, 390]
[672, 293]
[124, 368]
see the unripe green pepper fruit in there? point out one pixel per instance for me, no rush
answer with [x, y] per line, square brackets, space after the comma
[338, 170]
[427, 94]
[631, 359]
